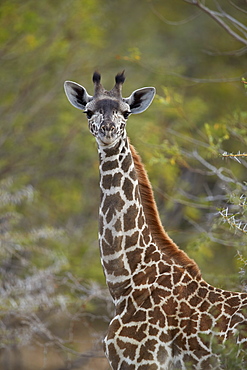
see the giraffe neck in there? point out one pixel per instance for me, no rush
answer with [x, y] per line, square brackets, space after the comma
[123, 231]
[129, 225]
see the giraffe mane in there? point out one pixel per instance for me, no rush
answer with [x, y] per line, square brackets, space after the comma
[164, 242]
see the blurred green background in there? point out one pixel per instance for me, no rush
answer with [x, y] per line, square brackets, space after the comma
[48, 159]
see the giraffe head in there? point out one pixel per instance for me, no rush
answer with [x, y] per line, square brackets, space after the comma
[107, 111]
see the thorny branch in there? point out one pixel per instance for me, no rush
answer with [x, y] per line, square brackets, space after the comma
[218, 171]
[233, 221]
[234, 156]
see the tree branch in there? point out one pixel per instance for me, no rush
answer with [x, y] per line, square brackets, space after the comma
[217, 16]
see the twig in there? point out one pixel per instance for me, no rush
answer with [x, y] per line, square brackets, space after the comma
[172, 23]
[237, 7]
[240, 26]
[237, 52]
[217, 16]
[234, 156]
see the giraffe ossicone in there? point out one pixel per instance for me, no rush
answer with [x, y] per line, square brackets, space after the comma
[167, 316]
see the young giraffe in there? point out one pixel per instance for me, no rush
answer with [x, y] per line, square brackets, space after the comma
[167, 316]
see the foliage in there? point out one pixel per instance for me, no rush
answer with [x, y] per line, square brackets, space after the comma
[212, 184]
[34, 288]
[191, 140]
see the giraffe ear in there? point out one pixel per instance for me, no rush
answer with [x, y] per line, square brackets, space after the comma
[77, 94]
[140, 99]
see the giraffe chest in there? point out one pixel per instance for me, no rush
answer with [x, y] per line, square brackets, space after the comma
[151, 340]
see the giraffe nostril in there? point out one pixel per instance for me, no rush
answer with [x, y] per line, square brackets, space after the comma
[107, 129]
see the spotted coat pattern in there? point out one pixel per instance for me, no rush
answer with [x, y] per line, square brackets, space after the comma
[167, 316]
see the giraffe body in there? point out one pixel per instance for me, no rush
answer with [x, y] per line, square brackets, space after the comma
[167, 316]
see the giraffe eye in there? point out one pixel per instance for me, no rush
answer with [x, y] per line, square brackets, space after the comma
[89, 113]
[126, 114]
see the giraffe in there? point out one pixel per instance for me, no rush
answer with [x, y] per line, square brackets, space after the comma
[166, 315]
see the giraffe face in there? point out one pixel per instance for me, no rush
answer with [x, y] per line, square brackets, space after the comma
[107, 119]
[107, 111]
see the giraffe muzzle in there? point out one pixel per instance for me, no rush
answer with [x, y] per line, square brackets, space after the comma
[107, 130]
